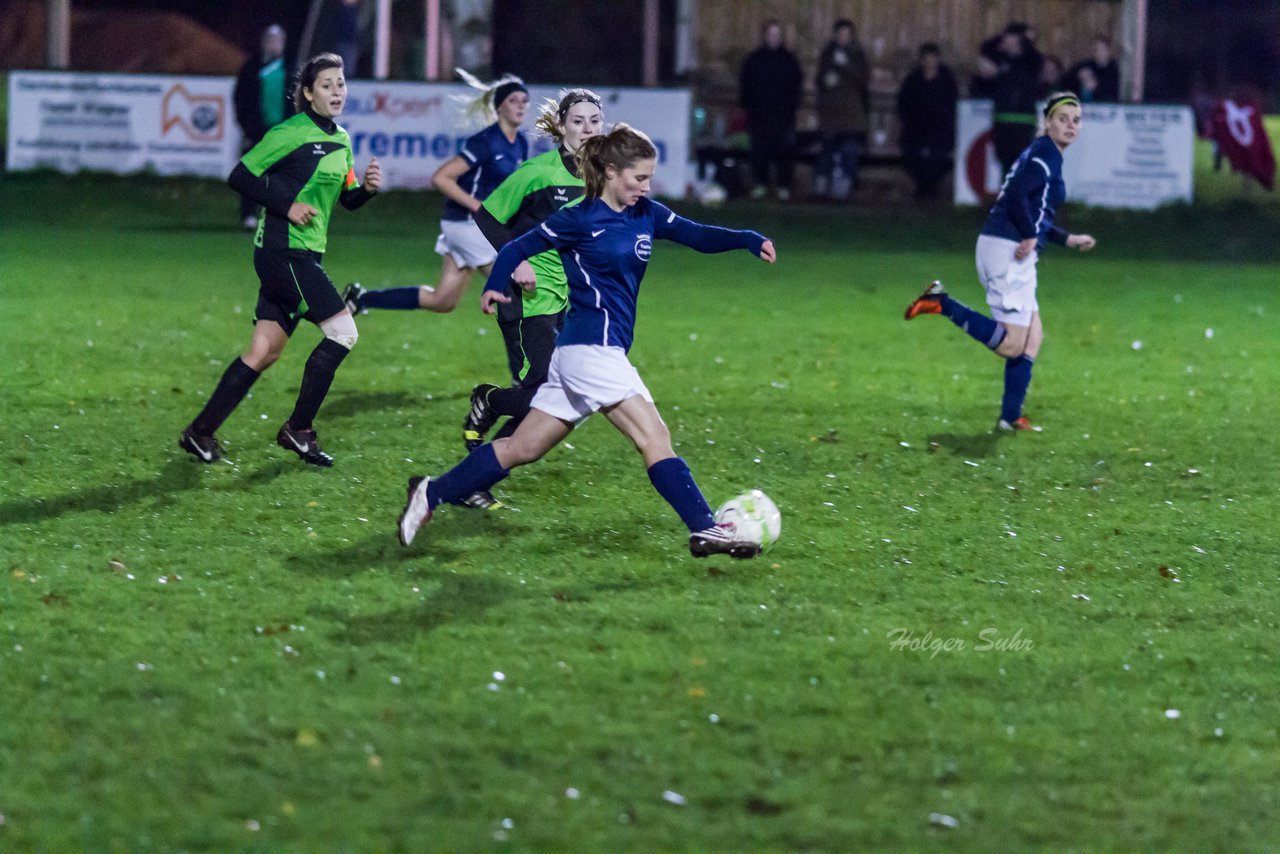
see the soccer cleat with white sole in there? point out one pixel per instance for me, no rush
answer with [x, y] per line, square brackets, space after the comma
[305, 444]
[721, 539]
[352, 296]
[1018, 424]
[929, 302]
[206, 449]
[417, 510]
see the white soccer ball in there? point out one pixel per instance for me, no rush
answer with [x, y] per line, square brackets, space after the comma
[710, 193]
[755, 517]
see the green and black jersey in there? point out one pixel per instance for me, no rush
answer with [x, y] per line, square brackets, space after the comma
[305, 159]
[540, 187]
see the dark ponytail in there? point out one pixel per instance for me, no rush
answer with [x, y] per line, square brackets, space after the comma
[307, 76]
[621, 148]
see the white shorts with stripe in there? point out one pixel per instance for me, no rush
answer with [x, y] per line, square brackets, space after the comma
[1010, 283]
[462, 240]
[585, 378]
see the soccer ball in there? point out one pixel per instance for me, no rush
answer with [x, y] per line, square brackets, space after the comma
[755, 516]
[709, 193]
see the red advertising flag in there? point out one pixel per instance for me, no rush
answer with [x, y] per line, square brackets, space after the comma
[1237, 129]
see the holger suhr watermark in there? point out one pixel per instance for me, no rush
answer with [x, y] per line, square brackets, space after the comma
[987, 640]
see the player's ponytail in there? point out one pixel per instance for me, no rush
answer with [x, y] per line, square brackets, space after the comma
[484, 105]
[552, 114]
[621, 148]
[307, 76]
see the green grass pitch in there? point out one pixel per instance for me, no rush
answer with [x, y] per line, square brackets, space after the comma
[1047, 641]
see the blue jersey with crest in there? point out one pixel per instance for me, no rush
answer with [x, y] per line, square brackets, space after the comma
[605, 254]
[1030, 197]
[491, 157]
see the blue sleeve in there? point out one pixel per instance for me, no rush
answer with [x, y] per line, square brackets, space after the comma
[667, 225]
[559, 230]
[1026, 185]
[476, 149]
[1057, 235]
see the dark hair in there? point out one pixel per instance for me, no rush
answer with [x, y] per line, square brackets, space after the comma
[307, 76]
[552, 114]
[929, 48]
[841, 24]
[620, 148]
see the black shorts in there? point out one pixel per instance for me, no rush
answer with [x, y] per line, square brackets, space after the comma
[294, 287]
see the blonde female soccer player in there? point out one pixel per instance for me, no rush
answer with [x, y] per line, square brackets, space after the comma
[605, 243]
[1017, 227]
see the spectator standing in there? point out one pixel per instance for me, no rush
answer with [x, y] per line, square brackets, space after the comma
[927, 117]
[1052, 75]
[347, 33]
[1012, 67]
[843, 107]
[261, 102]
[1096, 78]
[769, 91]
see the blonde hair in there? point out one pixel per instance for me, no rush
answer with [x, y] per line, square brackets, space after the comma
[621, 148]
[481, 108]
[551, 116]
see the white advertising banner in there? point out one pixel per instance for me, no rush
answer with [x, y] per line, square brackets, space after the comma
[1126, 156]
[121, 123]
[412, 128]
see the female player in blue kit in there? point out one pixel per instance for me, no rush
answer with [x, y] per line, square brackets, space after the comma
[1019, 223]
[605, 243]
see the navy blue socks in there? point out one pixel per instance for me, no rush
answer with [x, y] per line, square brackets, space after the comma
[401, 298]
[479, 471]
[1017, 376]
[674, 482]
[987, 332]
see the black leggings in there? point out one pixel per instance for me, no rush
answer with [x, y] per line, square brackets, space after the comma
[530, 342]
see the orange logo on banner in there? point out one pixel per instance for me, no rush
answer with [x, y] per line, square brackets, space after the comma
[199, 116]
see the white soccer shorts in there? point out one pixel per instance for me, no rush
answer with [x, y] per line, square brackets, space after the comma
[1010, 284]
[585, 378]
[462, 240]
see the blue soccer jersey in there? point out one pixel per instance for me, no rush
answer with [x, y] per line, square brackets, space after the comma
[605, 254]
[492, 157]
[1030, 197]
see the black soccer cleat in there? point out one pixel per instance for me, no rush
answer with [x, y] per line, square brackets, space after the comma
[483, 500]
[352, 296]
[303, 443]
[721, 539]
[206, 449]
[480, 419]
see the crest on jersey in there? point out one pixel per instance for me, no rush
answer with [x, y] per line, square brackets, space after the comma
[644, 246]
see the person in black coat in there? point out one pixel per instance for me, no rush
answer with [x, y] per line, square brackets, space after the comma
[927, 117]
[261, 101]
[1010, 67]
[769, 91]
[1096, 78]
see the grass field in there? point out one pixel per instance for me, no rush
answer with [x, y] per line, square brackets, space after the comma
[242, 656]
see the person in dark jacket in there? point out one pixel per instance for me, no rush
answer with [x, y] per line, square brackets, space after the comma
[261, 101]
[1011, 67]
[769, 91]
[1096, 78]
[927, 116]
[843, 108]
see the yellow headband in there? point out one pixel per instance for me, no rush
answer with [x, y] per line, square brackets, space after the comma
[1060, 99]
